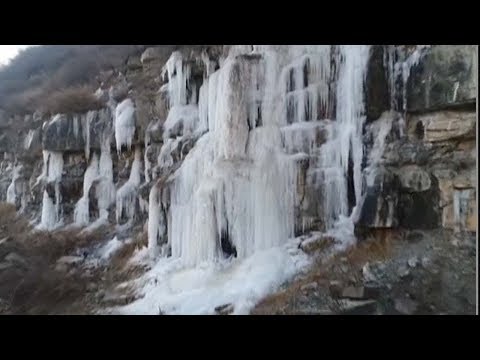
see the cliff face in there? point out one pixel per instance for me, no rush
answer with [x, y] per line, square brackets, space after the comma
[220, 151]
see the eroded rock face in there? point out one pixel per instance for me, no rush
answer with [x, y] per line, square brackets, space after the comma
[380, 207]
[445, 77]
[443, 126]
[414, 179]
[76, 132]
[377, 96]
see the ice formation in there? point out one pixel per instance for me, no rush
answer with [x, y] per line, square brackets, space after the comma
[81, 213]
[12, 188]
[124, 124]
[52, 175]
[126, 197]
[235, 192]
[105, 189]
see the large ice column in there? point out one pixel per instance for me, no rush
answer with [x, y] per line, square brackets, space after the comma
[297, 83]
[234, 116]
[12, 188]
[157, 223]
[234, 190]
[178, 73]
[52, 174]
[81, 214]
[124, 124]
[105, 190]
[126, 198]
[344, 147]
[351, 109]
[192, 228]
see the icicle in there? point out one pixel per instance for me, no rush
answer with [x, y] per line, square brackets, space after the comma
[178, 77]
[124, 124]
[53, 168]
[127, 194]
[11, 190]
[81, 213]
[156, 221]
[181, 120]
[88, 121]
[343, 146]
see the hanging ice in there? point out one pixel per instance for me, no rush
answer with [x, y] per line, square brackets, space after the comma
[52, 174]
[124, 124]
[127, 194]
[81, 213]
[12, 190]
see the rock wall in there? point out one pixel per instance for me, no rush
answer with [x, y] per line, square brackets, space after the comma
[417, 166]
[428, 173]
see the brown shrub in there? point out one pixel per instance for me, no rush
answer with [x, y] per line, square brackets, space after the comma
[77, 99]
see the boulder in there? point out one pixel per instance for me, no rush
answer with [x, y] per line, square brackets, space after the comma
[414, 179]
[134, 63]
[16, 258]
[443, 126]
[224, 309]
[157, 53]
[405, 306]
[445, 77]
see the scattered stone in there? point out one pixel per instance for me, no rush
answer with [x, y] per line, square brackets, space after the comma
[335, 288]
[70, 260]
[226, 309]
[4, 306]
[309, 287]
[15, 258]
[349, 307]
[367, 273]
[405, 306]
[414, 237]
[360, 292]
[412, 262]
[4, 240]
[5, 265]
[425, 261]
[61, 267]
[403, 271]
[316, 244]
[351, 292]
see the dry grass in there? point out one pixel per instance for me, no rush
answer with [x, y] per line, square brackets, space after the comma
[34, 286]
[378, 246]
[77, 99]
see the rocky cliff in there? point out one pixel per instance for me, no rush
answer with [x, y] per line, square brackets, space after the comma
[221, 151]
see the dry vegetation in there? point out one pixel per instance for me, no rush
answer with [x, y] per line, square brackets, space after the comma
[34, 79]
[35, 285]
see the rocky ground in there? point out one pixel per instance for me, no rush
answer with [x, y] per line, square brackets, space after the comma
[410, 273]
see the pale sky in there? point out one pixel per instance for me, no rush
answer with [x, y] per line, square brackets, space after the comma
[7, 52]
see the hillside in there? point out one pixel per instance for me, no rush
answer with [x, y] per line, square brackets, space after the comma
[239, 179]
